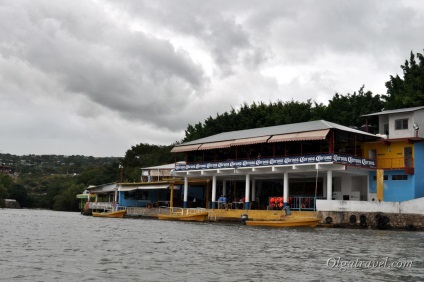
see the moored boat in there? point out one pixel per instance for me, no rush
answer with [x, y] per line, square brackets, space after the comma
[185, 215]
[298, 222]
[111, 214]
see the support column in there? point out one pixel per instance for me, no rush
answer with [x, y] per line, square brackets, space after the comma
[213, 191]
[185, 191]
[224, 188]
[115, 199]
[253, 190]
[286, 189]
[324, 186]
[247, 192]
[329, 185]
[171, 200]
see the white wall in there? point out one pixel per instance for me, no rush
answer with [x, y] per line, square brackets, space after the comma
[404, 132]
[419, 119]
[415, 206]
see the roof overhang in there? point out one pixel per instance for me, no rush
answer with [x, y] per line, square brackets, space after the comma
[187, 148]
[216, 145]
[301, 136]
[394, 140]
[147, 187]
[249, 141]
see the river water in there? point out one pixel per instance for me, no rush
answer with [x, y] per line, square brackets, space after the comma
[39, 245]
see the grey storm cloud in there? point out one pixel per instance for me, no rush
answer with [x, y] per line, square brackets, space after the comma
[76, 73]
[128, 72]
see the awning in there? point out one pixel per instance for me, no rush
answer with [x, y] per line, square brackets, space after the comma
[147, 187]
[216, 145]
[187, 148]
[84, 196]
[301, 136]
[248, 141]
[102, 190]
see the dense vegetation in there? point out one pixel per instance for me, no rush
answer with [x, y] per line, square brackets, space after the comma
[52, 181]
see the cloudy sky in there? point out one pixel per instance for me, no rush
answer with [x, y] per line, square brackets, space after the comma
[96, 77]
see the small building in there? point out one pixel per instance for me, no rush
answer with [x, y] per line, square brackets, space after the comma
[158, 188]
[157, 173]
[399, 155]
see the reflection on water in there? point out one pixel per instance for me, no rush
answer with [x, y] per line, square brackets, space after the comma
[56, 246]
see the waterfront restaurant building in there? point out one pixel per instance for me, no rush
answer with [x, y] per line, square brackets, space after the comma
[296, 163]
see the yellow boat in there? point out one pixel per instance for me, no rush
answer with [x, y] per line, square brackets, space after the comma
[111, 214]
[298, 222]
[185, 215]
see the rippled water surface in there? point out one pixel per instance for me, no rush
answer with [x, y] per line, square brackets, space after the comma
[41, 245]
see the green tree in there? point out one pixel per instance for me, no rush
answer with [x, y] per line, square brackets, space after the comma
[252, 116]
[144, 155]
[66, 200]
[407, 91]
[347, 110]
[20, 194]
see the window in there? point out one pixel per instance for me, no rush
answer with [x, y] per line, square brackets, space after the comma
[385, 177]
[401, 124]
[399, 177]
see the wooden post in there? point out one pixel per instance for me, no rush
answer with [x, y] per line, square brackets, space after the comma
[380, 185]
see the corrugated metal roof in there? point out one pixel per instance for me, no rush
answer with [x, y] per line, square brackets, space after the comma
[302, 136]
[216, 145]
[275, 130]
[248, 141]
[405, 110]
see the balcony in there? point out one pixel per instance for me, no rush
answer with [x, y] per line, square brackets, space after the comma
[396, 163]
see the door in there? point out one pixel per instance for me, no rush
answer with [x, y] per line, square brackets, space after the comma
[408, 157]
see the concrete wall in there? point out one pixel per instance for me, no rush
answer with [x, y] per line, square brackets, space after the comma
[377, 220]
[415, 206]
[357, 206]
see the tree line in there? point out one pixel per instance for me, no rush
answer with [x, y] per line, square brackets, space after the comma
[58, 191]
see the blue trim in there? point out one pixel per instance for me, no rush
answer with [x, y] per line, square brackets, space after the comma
[246, 205]
[185, 204]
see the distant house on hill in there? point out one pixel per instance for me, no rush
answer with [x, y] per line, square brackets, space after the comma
[5, 169]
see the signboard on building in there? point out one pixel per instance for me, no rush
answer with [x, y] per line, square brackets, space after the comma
[293, 160]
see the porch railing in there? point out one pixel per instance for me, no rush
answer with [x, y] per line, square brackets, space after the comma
[305, 203]
[395, 163]
[101, 205]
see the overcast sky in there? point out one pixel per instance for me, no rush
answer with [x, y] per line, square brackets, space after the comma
[96, 77]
